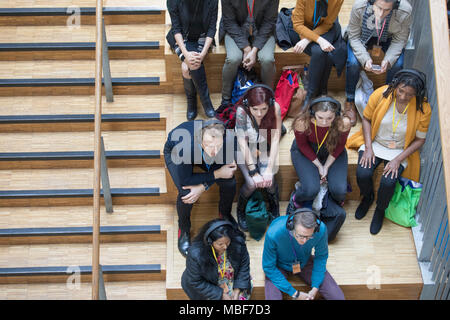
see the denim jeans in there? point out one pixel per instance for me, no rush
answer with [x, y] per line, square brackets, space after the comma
[354, 67]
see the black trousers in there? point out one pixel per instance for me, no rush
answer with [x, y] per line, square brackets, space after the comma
[320, 63]
[227, 189]
[364, 178]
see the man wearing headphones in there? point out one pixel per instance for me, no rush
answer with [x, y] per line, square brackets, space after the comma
[380, 25]
[287, 250]
[207, 145]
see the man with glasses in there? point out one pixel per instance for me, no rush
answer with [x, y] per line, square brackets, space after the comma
[287, 250]
[379, 26]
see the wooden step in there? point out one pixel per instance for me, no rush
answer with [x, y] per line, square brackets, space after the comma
[59, 274]
[81, 216]
[49, 77]
[81, 235]
[63, 43]
[56, 187]
[78, 159]
[76, 15]
[355, 258]
[124, 290]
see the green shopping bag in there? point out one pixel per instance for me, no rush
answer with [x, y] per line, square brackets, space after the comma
[402, 207]
[256, 215]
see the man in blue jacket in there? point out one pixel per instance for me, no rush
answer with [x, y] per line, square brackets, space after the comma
[287, 250]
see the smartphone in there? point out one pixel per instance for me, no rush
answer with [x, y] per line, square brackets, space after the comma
[376, 67]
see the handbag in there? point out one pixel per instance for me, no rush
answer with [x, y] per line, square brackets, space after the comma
[402, 207]
[285, 90]
[364, 89]
[244, 80]
[256, 215]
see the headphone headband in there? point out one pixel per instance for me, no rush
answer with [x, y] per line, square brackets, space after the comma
[325, 99]
[258, 85]
[419, 74]
[213, 227]
[290, 222]
[395, 7]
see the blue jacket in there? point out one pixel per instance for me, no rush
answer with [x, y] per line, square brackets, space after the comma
[279, 248]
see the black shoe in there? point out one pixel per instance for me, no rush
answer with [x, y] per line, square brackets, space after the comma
[363, 207]
[229, 218]
[240, 212]
[283, 130]
[291, 207]
[377, 221]
[184, 242]
[199, 78]
[274, 202]
[191, 97]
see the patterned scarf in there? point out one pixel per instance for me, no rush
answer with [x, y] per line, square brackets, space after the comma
[369, 28]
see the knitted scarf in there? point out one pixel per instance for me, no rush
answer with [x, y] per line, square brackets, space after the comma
[369, 25]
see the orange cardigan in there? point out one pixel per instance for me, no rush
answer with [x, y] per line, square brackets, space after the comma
[417, 121]
[303, 16]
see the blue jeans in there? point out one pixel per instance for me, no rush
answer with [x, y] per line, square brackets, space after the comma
[354, 67]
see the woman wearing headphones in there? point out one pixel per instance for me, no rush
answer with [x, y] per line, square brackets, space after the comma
[318, 155]
[258, 129]
[218, 264]
[394, 128]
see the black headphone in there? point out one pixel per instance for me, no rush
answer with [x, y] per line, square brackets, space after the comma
[420, 75]
[290, 219]
[259, 85]
[325, 99]
[206, 239]
[395, 7]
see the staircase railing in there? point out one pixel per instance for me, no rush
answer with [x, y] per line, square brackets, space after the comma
[431, 54]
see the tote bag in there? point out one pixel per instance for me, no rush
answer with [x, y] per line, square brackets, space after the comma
[256, 215]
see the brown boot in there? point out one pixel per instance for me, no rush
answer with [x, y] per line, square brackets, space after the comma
[350, 112]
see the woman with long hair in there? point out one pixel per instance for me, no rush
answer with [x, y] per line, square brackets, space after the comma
[318, 155]
[394, 128]
[218, 264]
[258, 131]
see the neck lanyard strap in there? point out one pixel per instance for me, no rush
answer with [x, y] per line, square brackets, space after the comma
[315, 22]
[292, 247]
[382, 29]
[222, 272]
[250, 12]
[317, 137]
[394, 128]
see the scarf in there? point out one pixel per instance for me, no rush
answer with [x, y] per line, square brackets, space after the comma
[369, 28]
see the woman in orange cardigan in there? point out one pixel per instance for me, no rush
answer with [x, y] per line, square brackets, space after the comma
[318, 27]
[394, 128]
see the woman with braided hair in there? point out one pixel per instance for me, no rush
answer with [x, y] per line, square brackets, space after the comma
[394, 128]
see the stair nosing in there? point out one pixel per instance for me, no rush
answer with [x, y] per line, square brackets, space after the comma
[112, 117]
[85, 11]
[76, 193]
[61, 46]
[66, 82]
[78, 155]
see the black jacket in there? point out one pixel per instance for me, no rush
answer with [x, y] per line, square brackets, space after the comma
[234, 15]
[179, 15]
[200, 279]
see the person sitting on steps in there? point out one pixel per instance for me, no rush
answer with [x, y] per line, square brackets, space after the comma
[394, 128]
[191, 36]
[258, 129]
[205, 144]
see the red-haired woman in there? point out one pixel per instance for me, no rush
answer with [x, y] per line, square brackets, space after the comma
[258, 131]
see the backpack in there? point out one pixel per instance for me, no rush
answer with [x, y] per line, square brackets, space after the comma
[256, 215]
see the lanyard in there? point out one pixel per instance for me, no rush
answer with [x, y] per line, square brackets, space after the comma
[315, 22]
[382, 29]
[250, 12]
[317, 137]
[292, 247]
[222, 273]
[393, 117]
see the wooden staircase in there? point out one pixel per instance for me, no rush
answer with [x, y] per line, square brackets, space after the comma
[46, 129]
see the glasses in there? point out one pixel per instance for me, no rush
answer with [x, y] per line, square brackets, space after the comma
[299, 236]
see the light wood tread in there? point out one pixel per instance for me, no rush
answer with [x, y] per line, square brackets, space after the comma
[85, 33]
[68, 179]
[51, 105]
[126, 290]
[45, 69]
[353, 256]
[81, 216]
[81, 3]
[21, 256]
[81, 141]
